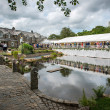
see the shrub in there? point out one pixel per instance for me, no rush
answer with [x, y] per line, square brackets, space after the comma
[84, 101]
[43, 51]
[15, 54]
[26, 49]
[99, 91]
[54, 54]
[60, 53]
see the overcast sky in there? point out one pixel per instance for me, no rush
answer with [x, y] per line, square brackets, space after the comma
[85, 16]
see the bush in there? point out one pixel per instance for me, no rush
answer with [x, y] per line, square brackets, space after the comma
[43, 51]
[60, 53]
[84, 101]
[99, 91]
[26, 49]
[54, 54]
[12, 50]
[15, 54]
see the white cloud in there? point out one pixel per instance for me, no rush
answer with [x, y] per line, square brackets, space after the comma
[86, 15]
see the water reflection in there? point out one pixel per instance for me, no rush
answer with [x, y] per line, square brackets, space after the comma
[84, 66]
[108, 82]
[69, 82]
[65, 72]
[69, 87]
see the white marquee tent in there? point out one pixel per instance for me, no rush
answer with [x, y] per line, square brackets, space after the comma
[87, 38]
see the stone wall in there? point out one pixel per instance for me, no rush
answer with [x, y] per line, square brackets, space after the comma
[2, 60]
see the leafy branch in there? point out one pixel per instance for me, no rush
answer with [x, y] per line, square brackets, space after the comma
[60, 3]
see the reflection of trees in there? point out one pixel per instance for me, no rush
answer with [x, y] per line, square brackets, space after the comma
[65, 72]
[38, 65]
[108, 82]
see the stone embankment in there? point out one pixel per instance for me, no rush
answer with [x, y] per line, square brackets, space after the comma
[15, 94]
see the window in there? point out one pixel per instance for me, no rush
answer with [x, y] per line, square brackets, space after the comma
[12, 44]
[1, 34]
[9, 35]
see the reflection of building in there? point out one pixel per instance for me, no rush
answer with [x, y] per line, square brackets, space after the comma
[12, 37]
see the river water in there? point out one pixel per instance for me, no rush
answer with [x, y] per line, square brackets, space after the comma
[78, 73]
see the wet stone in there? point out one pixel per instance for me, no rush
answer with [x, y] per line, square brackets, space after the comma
[15, 94]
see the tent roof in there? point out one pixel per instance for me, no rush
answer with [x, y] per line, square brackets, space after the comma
[87, 38]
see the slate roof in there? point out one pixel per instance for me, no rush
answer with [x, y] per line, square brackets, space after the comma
[17, 32]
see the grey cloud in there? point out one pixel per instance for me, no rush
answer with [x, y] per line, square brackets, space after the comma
[86, 15]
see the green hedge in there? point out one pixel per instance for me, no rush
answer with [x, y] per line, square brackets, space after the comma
[15, 54]
[26, 49]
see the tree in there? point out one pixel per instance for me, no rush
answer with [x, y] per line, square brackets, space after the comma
[26, 49]
[107, 30]
[60, 3]
[98, 30]
[54, 36]
[65, 72]
[85, 32]
[66, 32]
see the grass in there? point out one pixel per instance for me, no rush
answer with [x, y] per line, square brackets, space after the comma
[102, 104]
[5, 53]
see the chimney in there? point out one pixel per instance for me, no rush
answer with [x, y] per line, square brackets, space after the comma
[31, 31]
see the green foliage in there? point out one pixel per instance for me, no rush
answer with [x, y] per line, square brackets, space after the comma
[65, 72]
[43, 51]
[85, 32]
[12, 51]
[26, 49]
[108, 82]
[99, 91]
[63, 5]
[96, 30]
[107, 30]
[40, 4]
[102, 104]
[12, 4]
[54, 36]
[60, 54]
[15, 54]
[54, 54]
[84, 101]
[66, 32]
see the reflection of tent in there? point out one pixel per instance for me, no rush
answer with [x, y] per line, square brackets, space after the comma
[87, 38]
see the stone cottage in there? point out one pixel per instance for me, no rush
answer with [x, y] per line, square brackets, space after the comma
[13, 37]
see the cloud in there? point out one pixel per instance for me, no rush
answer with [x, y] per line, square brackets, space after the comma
[86, 15]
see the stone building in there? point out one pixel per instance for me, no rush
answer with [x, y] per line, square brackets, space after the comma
[13, 37]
